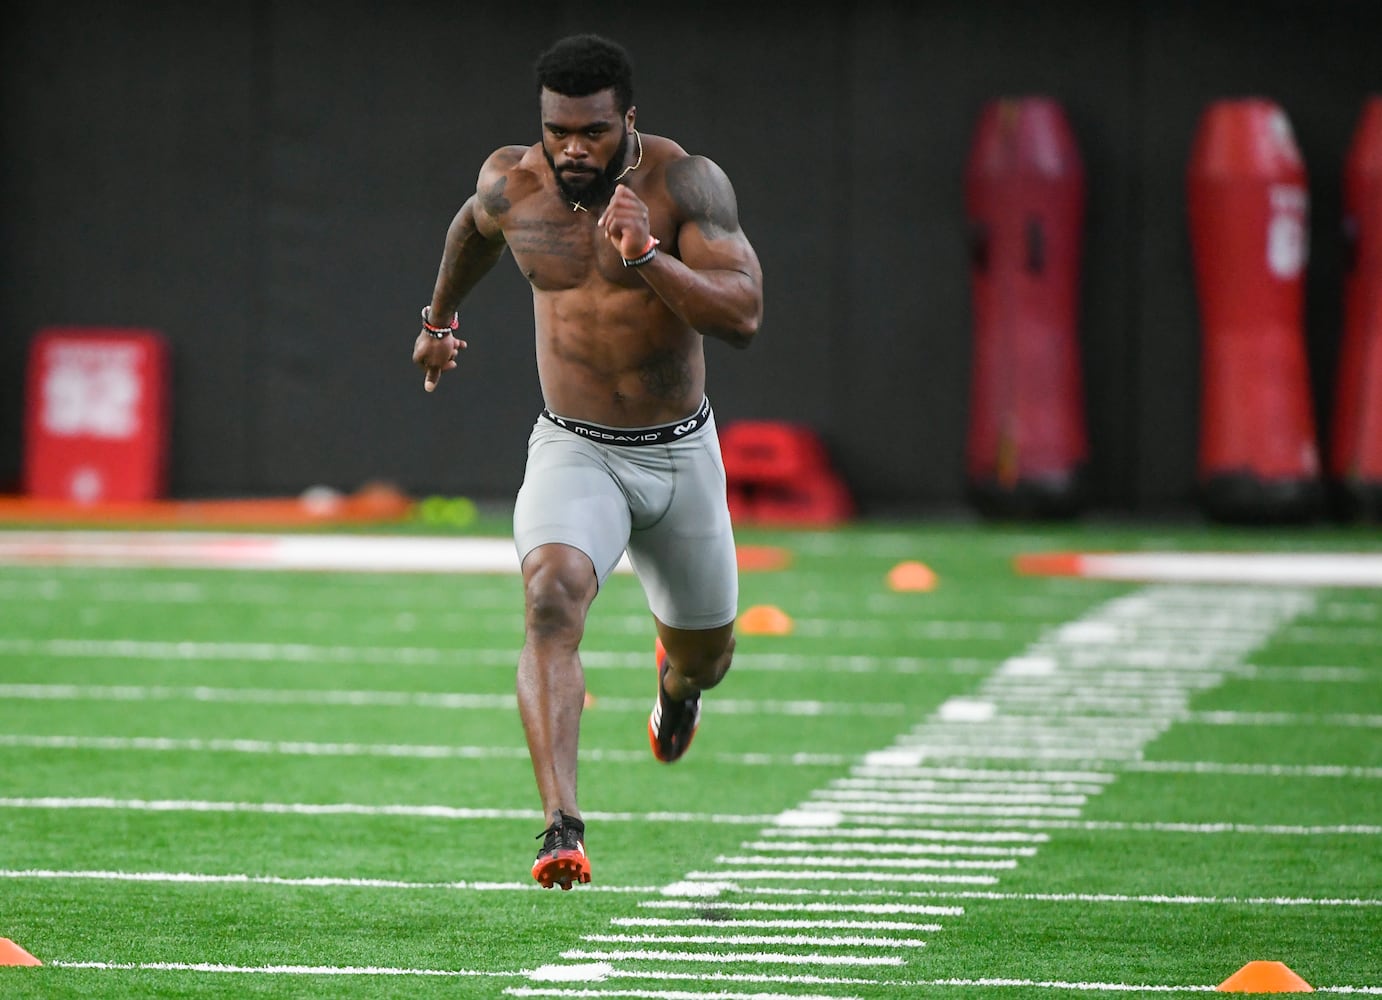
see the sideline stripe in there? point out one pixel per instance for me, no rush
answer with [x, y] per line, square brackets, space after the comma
[210, 550]
[285, 551]
[1308, 569]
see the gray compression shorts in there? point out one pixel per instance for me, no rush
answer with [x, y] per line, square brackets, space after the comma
[658, 493]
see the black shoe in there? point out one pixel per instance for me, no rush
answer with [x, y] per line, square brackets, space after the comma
[562, 860]
[673, 723]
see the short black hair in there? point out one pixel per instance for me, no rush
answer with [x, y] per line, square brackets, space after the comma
[581, 65]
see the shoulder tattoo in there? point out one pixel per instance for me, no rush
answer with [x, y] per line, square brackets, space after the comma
[492, 198]
[703, 194]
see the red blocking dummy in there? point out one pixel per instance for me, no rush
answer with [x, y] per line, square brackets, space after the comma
[1355, 457]
[1248, 206]
[1024, 200]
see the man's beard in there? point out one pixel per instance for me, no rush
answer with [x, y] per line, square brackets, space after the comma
[598, 185]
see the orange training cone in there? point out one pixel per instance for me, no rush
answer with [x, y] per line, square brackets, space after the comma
[1265, 977]
[912, 575]
[12, 954]
[765, 619]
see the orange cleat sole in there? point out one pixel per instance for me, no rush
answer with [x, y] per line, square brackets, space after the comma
[563, 868]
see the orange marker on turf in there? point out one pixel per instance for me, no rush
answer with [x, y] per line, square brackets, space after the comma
[1265, 977]
[765, 619]
[912, 576]
[12, 954]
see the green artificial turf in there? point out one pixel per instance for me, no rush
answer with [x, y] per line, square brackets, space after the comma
[227, 783]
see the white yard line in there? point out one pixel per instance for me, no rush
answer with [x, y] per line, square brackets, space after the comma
[723, 706]
[600, 972]
[642, 994]
[360, 809]
[411, 699]
[285, 970]
[785, 924]
[787, 827]
[721, 958]
[290, 654]
[836, 898]
[774, 940]
[875, 848]
[759, 907]
[158, 744]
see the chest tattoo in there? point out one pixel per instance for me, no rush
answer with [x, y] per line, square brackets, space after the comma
[542, 236]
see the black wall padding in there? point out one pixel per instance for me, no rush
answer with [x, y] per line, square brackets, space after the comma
[269, 184]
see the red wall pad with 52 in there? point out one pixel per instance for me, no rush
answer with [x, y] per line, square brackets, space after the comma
[96, 418]
[1355, 457]
[780, 473]
[1248, 204]
[1026, 446]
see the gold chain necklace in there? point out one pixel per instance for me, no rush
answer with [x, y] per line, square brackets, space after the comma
[576, 206]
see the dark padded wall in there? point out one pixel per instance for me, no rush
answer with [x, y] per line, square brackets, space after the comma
[269, 184]
[134, 142]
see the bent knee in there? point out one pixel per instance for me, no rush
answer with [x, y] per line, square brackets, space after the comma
[557, 592]
[704, 666]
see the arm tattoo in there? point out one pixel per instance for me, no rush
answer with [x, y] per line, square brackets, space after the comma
[704, 196]
[665, 375]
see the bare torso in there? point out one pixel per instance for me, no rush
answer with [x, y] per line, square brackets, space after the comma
[609, 350]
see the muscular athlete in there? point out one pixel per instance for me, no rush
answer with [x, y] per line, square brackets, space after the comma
[635, 254]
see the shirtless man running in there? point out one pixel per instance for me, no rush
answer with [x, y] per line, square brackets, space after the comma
[635, 254]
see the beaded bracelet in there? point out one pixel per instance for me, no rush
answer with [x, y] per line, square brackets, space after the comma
[645, 256]
[438, 332]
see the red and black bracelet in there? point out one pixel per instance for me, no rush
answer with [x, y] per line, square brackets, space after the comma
[439, 332]
[645, 256]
